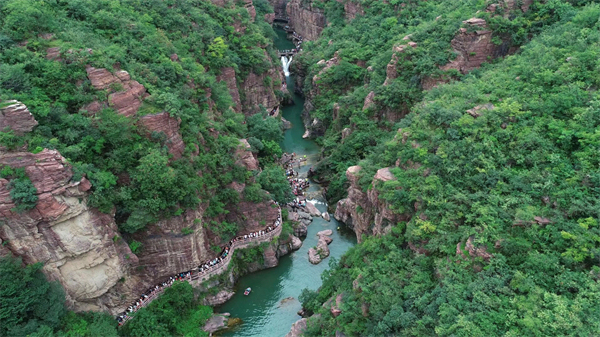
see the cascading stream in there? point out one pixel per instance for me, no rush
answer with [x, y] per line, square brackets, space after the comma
[285, 63]
[271, 308]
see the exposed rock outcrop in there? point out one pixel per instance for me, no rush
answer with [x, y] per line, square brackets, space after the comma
[362, 211]
[167, 250]
[473, 251]
[218, 299]
[369, 101]
[315, 256]
[245, 157]
[228, 76]
[351, 9]
[260, 89]
[216, 322]
[125, 94]
[15, 116]
[312, 209]
[307, 20]
[392, 67]
[79, 246]
[298, 328]
[168, 125]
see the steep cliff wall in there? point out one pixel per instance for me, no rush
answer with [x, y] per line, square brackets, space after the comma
[279, 7]
[78, 245]
[362, 211]
[307, 20]
[260, 89]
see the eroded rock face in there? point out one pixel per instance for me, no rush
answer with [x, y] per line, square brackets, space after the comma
[218, 299]
[315, 256]
[126, 94]
[392, 67]
[369, 100]
[258, 91]
[16, 117]
[245, 157]
[351, 9]
[307, 20]
[362, 211]
[228, 76]
[474, 46]
[473, 251]
[76, 243]
[168, 249]
[216, 322]
[298, 328]
[279, 7]
[168, 125]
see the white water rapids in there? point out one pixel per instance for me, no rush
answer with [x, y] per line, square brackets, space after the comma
[286, 65]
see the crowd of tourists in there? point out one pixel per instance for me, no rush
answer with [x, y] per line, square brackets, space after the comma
[299, 185]
[204, 267]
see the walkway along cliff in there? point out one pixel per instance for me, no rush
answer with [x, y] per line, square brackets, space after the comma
[196, 276]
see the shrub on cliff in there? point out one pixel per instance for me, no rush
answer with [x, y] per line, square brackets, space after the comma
[22, 191]
[273, 180]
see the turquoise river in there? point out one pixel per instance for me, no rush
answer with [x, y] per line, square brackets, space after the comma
[271, 308]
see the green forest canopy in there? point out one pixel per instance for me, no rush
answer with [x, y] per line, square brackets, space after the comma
[520, 182]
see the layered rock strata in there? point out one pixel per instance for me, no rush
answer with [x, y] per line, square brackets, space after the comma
[169, 126]
[125, 94]
[78, 246]
[307, 20]
[362, 211]
[15, 116]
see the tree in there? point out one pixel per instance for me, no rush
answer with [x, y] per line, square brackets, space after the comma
[175, 313]
[28, 302]
[273, 180]
[265, 129]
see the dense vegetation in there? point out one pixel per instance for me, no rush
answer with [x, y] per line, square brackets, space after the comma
[31, 306]
[174, 313]
[22, 191]
[128, 169]
[520, 182]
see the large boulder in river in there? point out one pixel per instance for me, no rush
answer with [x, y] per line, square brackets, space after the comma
[216, 322]
[218, 299]
[326, 216]
[296, 242]
[315, 256]
[298, 328]
[312, 209]
[325, 232]
[300, 229]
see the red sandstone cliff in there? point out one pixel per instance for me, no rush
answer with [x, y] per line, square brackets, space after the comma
[260, 89]
[306, 19]
[78, 245]
[363, 211]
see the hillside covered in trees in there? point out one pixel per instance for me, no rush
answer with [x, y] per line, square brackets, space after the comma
[123, 155]
[460, 142]
[487, 178]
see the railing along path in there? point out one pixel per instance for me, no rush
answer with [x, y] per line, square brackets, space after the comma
[196, 277]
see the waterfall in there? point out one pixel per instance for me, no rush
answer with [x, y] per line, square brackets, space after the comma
[286, 65]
